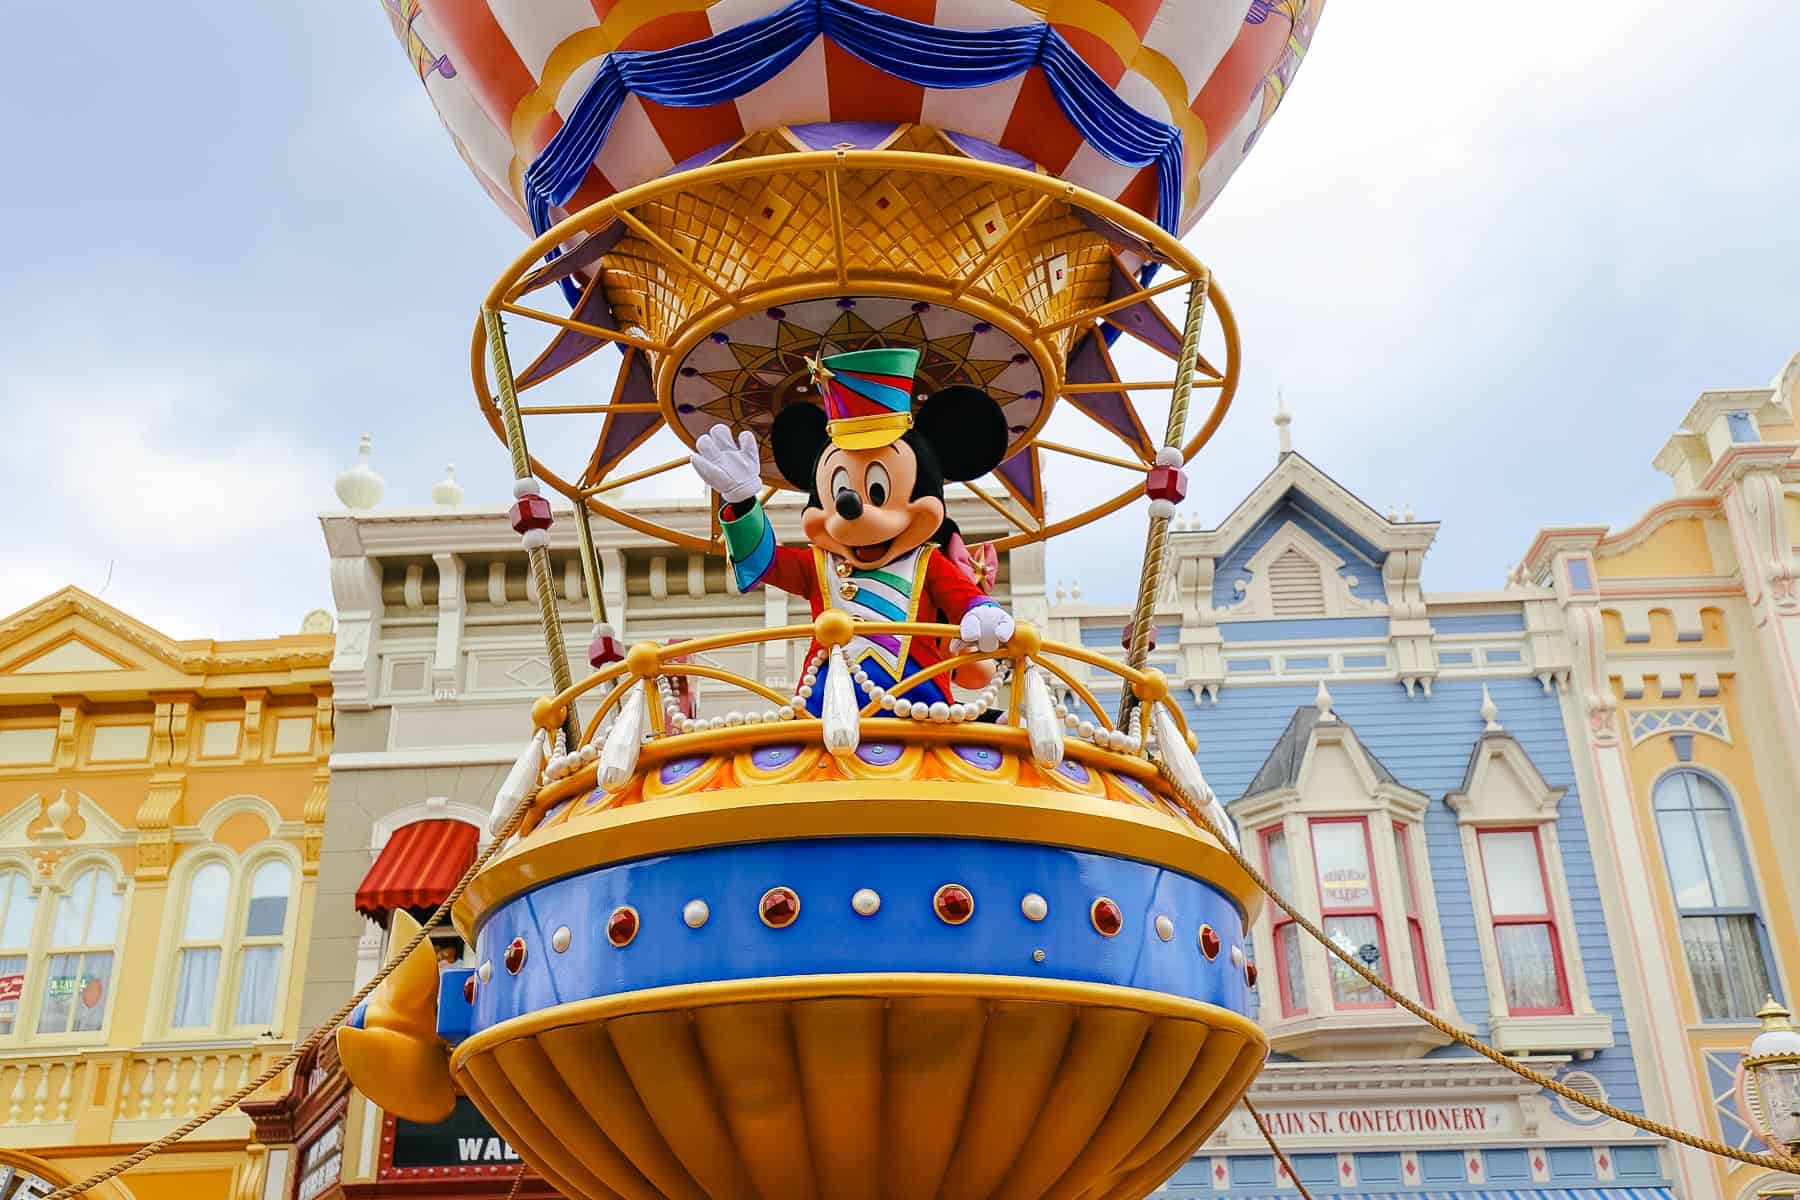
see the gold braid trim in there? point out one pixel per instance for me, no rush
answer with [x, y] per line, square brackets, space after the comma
[1769, 1162]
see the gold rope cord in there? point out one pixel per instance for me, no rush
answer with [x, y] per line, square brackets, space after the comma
[1770, 1162]
[1279, 1156]
[318, 1035]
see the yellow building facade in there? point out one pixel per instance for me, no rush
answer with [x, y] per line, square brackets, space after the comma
[1686, 634]
[161, 808]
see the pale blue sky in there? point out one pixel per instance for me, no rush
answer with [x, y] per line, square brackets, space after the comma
[1490, 252]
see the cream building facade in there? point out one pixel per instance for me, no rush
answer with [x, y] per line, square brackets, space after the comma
[161, 813]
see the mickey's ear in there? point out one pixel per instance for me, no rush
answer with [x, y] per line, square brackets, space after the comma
[798, 437]
[966, 429]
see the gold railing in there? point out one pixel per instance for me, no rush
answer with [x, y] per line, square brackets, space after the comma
[635, 722]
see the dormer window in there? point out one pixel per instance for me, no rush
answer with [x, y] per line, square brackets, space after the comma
[1537, 989]
[1339, 837]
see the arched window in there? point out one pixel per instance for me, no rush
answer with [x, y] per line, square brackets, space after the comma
[1721, 923]
[17, 908]
[83, 935]
[264, 932]
[202, 947]
[234, 931]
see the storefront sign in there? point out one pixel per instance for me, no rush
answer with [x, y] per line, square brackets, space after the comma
[12, 988]
[464, 1139]
[321, 1163]
[1411, 1122]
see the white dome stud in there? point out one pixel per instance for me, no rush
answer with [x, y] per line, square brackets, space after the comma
[1034, 906]
[485, 971]
[1237, 957]
[866, 902]
[360, 488]
[695, 913]
[446, 492]
[1165, 928]
[559, 941]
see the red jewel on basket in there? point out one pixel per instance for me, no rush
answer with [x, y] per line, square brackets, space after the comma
[469, 988]
[1107, 918]
[1209, 942]
[779, 907]
[529, 512]
[953, 904]
[622, 926]
[1166, 483]
[515, 956]
[1250, 974]
[604, 649]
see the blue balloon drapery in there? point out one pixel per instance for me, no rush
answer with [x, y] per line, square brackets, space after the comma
[731, 64]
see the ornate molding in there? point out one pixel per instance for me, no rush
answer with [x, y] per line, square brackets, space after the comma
[186, 657]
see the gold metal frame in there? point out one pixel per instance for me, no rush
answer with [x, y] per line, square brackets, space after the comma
[986, 280]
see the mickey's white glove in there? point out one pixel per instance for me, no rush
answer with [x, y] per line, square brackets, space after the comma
[986, 627]
[735, 472]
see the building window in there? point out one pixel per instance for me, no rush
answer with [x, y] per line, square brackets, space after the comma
[1350, 908]
[17, 908]
[1525, 936]
[202, 947]
[1415, 925]
[1290, 975]
[83, 936]
[233, 941]
[265, 929]
[1721, 924]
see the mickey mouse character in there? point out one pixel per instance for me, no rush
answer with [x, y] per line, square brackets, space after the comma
[874, 473]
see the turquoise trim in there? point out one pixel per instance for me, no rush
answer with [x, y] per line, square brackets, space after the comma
[750, 545]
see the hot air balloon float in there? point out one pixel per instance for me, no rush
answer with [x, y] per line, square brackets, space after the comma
[902, 926]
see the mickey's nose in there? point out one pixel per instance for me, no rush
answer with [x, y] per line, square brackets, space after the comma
[849, 504]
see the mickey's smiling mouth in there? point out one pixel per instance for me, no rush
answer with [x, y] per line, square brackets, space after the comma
[871, 554]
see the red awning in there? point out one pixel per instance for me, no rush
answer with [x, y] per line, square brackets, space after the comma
[417, 868]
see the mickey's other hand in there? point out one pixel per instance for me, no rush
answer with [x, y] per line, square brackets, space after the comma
[987, 627]
[735, 472]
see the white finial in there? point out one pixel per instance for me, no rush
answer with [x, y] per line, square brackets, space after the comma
[1062, 593]
[360, 487]
[1407, 514]
[1283, 419]
[1490, 712]
[1322, 700]
[447, 493]
[1075, 590]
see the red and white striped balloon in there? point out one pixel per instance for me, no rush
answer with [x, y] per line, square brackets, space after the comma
[504, 74]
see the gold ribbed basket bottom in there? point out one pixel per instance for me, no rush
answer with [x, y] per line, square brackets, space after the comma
[843, 1087]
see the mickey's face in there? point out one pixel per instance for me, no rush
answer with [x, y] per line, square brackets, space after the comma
[867, 512]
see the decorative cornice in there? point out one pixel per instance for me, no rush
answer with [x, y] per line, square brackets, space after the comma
[1559, 539]
[1744, 458]
[1295, 472]
[1401, 1079]
[291, 652]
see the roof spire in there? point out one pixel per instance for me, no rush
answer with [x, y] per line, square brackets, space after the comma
[1283, 418]
[360, 488]
[1490, 712]
[1322, 700]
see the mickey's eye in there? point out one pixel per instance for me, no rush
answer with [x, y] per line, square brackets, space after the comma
[840, 479]
[877, 483]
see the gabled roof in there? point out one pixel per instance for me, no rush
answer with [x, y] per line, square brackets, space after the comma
[1282, 768]
[1323, 496]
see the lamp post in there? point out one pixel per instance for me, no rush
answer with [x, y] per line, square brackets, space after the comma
[1773, 1064]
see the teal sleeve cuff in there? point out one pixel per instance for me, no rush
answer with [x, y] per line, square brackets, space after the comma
[750, 544]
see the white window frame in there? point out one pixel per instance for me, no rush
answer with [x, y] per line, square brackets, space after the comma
[1503, 790]
[241, 870]
[1323, 1031]
[49, 896]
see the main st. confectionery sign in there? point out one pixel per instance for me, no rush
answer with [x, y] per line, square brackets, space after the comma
[1401, 1121]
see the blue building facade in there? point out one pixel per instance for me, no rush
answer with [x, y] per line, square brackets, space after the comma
[1399, 764]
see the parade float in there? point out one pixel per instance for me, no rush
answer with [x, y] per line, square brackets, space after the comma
[918, 915]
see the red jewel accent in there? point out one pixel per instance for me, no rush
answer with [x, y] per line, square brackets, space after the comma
[1107, 918]
[604, 649]
[529, 512]
[1411, 1166]
[1250, 974]
[1537, 1164]
[953, 903]
[1125, 636]
[469, 989]
[1346, 1170]
[1166, 483]
[515, 955]
[622, 926]
[1604, 1161]
[1209, 942]
[1475, 1165]
[1219, 1172]
[779, 907]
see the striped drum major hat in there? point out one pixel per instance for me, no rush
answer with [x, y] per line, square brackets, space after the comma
[868, 395]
